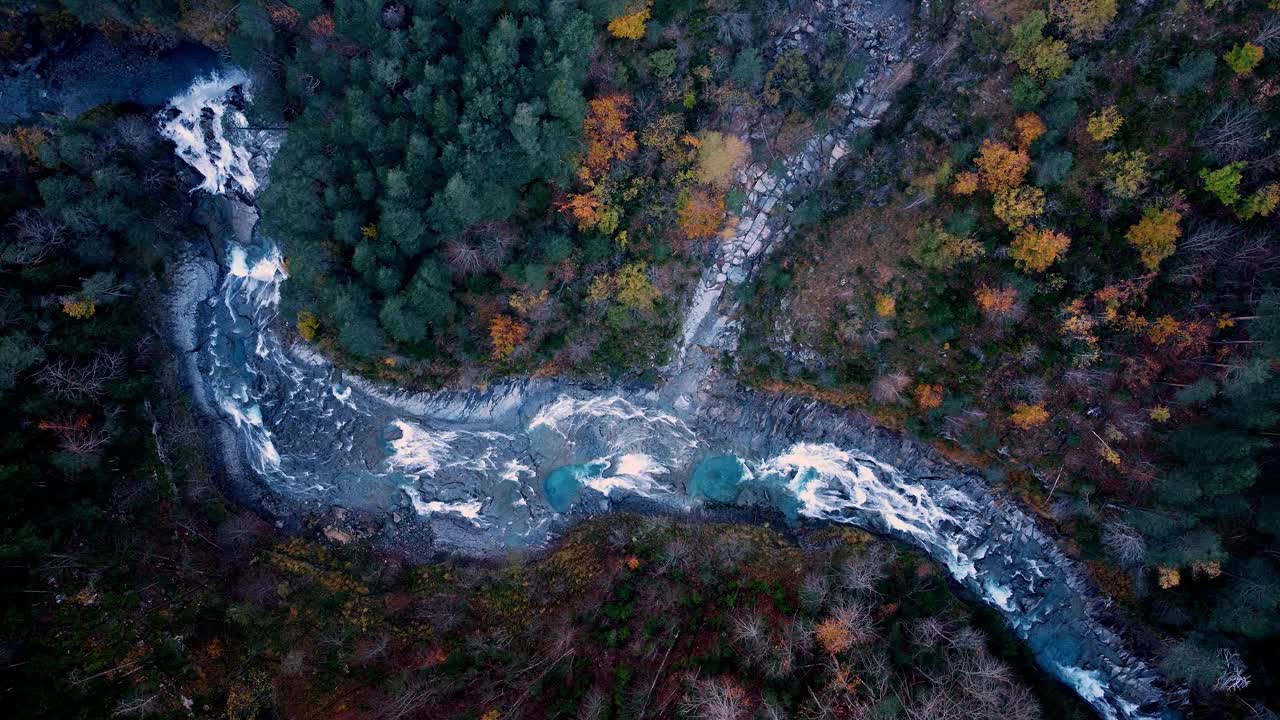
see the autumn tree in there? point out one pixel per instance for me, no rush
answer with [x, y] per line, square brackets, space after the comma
[506, 332]
[1043, 58]
[1260, 203]
[1084, 19]
[1243, 58]
[998, 304]
[1035, 249]
[1000, 166]
[630, 26]
[1155, 236]
[633, 289]
[607, 136]
[1127, 173]
[308, 325]
[1104, 124]
[700, 214]
[1019, 205]
[1027, 129]
[719, 157]
[966, 183]
[928, 396]
[1026, 416]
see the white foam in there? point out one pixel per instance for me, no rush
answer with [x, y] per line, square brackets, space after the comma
[513, 469]
[420, 450]
[828, 481]
[469, 509]
[632, 472]
[217, 160]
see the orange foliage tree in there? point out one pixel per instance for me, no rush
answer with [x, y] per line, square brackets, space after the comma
[966, 183]
[1035, 249]
[1155, 236]
[506, 333]
[997, 304]
[1026, 416]
[608, 138]
[928, 397]
[1000, 166]
[701, 214]
[1027, 129]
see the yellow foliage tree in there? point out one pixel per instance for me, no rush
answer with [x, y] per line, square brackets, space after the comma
[1155, 236]
[1027, 129]
[1035, 249]
[308, 325]
[1104, 124]
[506, 333]
[1084, 19]
[719, 157]
[1026, 416]
[1127, 173]
[79, 308]
[1000, 166]
[630, 26]
[966, 183]
[1016, 206]
[700, 214]
[634, 289]
[886, 306]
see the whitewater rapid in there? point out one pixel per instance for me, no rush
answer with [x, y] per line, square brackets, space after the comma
[508, 466]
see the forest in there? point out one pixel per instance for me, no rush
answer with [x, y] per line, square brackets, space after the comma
[1055, 259]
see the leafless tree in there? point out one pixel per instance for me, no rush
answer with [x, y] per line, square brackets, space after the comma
[241, 529]
[887, 389]
[1124, 543]
[813, 591]
[32, 237]
[750, 630]
[1232, 132]
[67, 379]
[405, 700]
[716, 699]
[676, 554]
[1233, 677]
[862, 572]
[594, 705]
[1269, 35]
[734, 27]
[463, 257]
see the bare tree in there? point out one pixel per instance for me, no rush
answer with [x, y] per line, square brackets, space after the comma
[813, 591]
[887, 389]
[1124, 543]
[1233, 677]
[594, 705]
[67, 379]
[1269, 35]
[463, 257]
[862, 572]
[716, 699]
[1232, 132]
[31, 239]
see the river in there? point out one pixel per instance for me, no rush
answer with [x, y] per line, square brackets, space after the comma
[510, 466]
